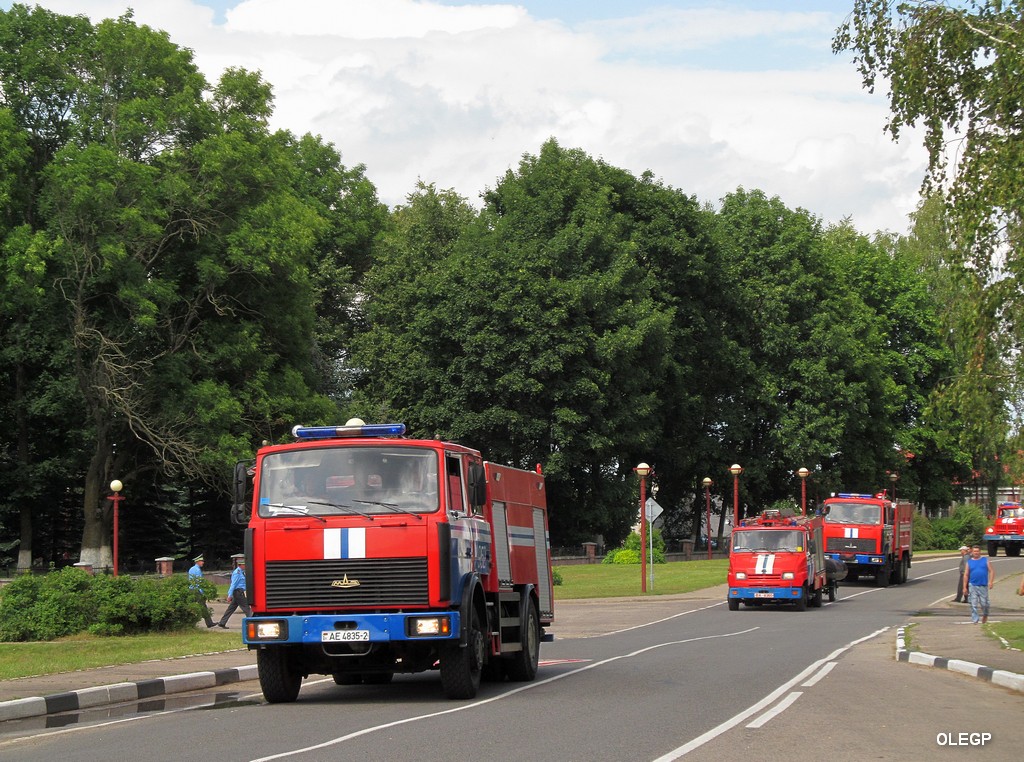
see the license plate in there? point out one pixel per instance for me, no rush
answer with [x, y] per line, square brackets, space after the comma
[344, 636]
[764, 595]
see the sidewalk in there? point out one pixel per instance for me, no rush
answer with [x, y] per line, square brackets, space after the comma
[941, 637]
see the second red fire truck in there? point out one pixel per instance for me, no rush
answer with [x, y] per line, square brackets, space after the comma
[778, 559]
[370, 554]
[871, 534]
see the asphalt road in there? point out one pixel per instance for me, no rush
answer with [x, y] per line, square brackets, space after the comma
[664, 680]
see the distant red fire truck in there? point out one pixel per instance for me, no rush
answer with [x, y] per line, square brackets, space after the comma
[1007, 530]
[778, 559]
[369, 555]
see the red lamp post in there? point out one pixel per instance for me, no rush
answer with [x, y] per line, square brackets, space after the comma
[643, 471]
[116, 498]
[803, 473]
[735, 469]
[707, 503]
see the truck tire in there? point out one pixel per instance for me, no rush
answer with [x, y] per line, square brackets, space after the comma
[1013, 549]
[462, 666]
[734, 604]
[801, 604]
[993, 548]
[832, 591]
[882, 578]
[816, 599]
[522, 667]
[279, 679]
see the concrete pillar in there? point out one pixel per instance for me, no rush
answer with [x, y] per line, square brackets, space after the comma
[165, 566]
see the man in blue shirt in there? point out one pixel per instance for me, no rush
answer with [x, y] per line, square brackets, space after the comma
[978, 578]
[195, 575]
[236, 594]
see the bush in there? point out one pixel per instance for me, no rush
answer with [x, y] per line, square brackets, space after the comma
[71, 601]
[629, 553]
[556, 576]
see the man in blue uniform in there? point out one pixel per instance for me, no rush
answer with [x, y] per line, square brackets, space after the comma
[195, 575]
[236, 593]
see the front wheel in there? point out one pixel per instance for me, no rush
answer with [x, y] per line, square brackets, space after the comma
[993, 548]
[801, 604]
[816, 599]
[734, 604]
[1013, 550]
[462, 666]
[279, 678]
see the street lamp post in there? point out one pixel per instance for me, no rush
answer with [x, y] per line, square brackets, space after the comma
[643, 471]
[893, 477]
[803, 473]
[707, 503]
[116, 498]
[735, 469]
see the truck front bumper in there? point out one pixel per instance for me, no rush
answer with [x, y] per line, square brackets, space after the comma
[766, 593]
[1004, 538]
[351, 629]
[858, 559]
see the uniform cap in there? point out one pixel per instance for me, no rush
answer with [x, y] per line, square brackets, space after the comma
[198, 558]
[964, 547]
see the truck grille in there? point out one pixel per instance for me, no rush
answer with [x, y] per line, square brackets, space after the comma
[338, 583]
[850, 545]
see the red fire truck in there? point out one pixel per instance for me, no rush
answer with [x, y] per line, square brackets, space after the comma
[1008, 530]
[871, 534]
[370, 554]
[777, 559]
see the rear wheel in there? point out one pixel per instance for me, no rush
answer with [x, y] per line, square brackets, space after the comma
[279, 678]
[832, 591]
[522, 667]
[462, 666]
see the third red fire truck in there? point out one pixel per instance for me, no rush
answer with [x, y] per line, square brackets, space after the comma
[871, 534]
[1007, 530]
[370, 554]
[778, 559]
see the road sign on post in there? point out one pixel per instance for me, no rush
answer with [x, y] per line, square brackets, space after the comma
[651, 511]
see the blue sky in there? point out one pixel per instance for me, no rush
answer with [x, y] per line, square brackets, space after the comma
[708, 95]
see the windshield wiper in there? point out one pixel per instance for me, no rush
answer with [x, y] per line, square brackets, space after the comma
[343, 507]
[393, 507]
[299, 509]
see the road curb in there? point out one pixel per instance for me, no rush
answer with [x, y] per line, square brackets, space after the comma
[87, 698]
[1000, 677]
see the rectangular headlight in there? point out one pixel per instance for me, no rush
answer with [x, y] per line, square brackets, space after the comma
[267, 630]
[741, 575]
[430, 626]
[787, 575]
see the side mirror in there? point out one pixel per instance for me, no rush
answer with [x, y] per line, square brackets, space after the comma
[241, 494]
[477, 485]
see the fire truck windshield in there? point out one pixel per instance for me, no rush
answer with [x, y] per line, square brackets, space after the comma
[1012, 512]
[853, 513]
[366, 481]
[761, 540]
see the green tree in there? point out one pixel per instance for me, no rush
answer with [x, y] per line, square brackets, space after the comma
[177, 236]
[954, 69]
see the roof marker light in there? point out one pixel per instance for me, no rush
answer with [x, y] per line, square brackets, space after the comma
[335, 432]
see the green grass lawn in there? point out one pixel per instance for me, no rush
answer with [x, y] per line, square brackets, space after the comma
[617, 581]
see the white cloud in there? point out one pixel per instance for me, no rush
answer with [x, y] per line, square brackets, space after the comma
[708, 100]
